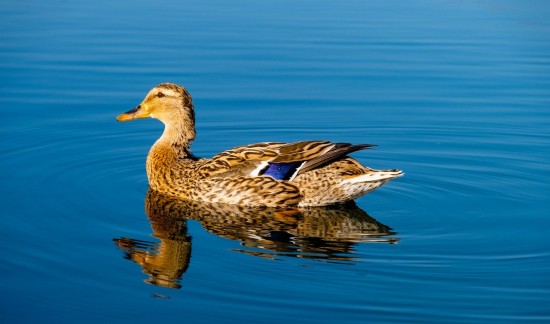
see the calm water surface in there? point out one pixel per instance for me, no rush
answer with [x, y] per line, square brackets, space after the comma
[455, 93]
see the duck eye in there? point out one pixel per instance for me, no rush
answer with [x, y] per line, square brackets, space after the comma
[160, 95]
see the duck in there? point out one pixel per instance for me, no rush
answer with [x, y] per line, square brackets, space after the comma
[269, 174]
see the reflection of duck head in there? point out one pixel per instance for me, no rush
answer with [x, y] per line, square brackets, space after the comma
[163, 262]
[316, 233]
[166, 261]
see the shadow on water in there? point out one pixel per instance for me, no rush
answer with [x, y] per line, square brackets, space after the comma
[312, 233]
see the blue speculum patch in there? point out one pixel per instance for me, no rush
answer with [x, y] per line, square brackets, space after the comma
[282, 171]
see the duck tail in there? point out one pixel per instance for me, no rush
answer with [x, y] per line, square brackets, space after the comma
[375, 176]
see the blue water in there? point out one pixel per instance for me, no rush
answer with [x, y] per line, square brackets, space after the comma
[455, 93]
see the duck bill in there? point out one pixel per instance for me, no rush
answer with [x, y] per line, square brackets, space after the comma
[136, 113]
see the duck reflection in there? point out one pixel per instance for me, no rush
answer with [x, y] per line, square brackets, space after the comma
[313, 233]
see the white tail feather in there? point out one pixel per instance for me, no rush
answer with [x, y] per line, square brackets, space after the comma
[375, 175]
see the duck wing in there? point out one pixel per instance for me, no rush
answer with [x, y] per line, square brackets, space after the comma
[280, 161]
[335, 152]
[241, 160]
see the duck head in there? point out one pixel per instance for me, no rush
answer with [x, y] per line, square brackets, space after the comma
[169, 103]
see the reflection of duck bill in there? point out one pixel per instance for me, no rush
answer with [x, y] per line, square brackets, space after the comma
[316, 233]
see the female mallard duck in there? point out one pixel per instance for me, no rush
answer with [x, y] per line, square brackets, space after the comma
[311, 173]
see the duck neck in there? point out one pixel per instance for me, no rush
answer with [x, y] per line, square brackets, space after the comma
[176, 140]
[167, 157]
[179, 132]
[170, 154]
[174, 144]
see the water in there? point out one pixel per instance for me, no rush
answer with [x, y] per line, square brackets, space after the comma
[455, 93]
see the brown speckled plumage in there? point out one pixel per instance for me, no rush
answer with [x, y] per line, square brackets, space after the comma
[324, 174]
